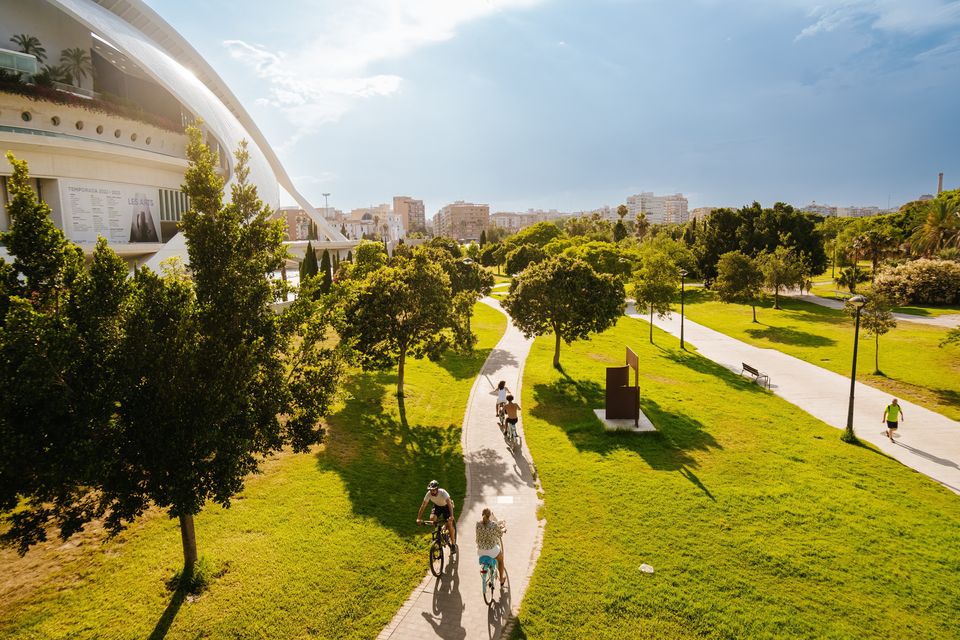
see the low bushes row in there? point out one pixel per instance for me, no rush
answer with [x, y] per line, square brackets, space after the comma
[922, 281]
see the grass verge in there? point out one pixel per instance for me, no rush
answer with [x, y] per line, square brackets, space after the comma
[913, 365]
[318, 545]
[758, 521]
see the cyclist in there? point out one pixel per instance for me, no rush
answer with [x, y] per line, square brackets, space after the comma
[512, 409]
[489, 532]
[502, 392]
[442, 508]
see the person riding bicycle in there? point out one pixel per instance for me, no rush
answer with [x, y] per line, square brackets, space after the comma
[512, 410]
[489, 532]
[442, 508]
[502, 392]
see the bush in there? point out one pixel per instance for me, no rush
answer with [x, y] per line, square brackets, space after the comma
[921, 281]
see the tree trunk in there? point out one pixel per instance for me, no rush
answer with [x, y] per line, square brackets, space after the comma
[189, 540]
[469, 330]
[776, 297]
[754, 307]
[403, 358]
[556, 350]
[651, 324]
[876, 354]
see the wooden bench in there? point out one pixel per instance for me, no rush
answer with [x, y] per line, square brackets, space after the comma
[757, 375]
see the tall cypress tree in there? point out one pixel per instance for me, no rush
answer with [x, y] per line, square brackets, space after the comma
[483, 237]
[325, 277]
[308, 268]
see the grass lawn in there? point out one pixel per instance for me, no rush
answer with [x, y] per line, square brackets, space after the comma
[758, 521]
[319, 545]
[825, 287]
[914, 366]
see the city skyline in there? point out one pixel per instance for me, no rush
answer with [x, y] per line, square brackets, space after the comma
[548, 104]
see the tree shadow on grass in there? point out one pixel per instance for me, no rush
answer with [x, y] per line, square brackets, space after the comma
[948, 396]
[568, 404]
[384, 461]
[465, 364]
[788, 335]
[698, 363]
[169, 614]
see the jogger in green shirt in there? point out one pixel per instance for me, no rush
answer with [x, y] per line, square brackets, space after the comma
[892, 415]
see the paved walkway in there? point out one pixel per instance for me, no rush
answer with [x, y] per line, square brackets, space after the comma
[950, 320]
[452, 606]
[927, 441]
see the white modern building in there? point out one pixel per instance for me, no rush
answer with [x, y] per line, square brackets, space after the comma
[671, 209]
[107, 148]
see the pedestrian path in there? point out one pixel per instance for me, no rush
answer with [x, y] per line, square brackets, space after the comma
[927, 442]
[452, 606]
[950, 321]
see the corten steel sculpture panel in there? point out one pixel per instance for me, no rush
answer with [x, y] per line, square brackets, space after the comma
[623, 399]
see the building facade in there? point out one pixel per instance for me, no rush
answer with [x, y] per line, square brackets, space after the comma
[462, 220]
[108, 151]
[412, 214]
[671, 209]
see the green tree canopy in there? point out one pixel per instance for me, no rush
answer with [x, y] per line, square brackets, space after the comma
[877, 319]
[738, 280]
[655, 283]
[564, 295]
[781, 269]
[308, 266]
[400, 310]
[521, 257]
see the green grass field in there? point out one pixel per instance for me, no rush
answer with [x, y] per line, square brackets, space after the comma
[319, 545]
[758, 521]
[914, 366]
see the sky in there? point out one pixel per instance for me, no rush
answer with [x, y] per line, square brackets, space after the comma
[572, 105]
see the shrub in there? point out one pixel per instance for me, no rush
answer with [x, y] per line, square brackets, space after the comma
[921, 281]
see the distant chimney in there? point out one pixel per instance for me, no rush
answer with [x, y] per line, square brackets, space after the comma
[940, 183]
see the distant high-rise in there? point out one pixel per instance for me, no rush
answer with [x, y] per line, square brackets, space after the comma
[411, 212]
[670, 209]
[462, 220]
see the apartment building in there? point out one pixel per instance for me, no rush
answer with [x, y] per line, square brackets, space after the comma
[670, 209]
[462, 220]
[411, 212]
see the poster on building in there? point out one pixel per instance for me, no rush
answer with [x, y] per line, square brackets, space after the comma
[121, 213]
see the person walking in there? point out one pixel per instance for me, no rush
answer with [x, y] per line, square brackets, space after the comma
[892, 415]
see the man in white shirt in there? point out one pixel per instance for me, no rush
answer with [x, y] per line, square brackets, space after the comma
[442, 508]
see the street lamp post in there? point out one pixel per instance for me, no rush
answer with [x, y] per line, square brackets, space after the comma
[683, 274]
[858, 302]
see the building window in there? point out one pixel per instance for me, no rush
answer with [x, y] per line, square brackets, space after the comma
[26, 116]
[55, 120]
[173, 204]
[79, 125]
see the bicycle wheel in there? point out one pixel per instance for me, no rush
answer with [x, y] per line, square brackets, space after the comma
[488, 586]
[436, 559]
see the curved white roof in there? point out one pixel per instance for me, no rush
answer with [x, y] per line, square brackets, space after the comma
[137, 31]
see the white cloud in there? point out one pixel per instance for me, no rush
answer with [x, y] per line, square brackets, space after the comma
[319, 81]
[913, 16]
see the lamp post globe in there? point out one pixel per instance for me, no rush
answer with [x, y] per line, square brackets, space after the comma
[858, 302]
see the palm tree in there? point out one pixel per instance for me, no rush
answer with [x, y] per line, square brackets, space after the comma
[941, 228]
[77, 63]
[30, 45]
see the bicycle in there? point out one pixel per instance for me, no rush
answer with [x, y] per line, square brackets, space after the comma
[441, 538]
[511, 436]
[501, 418]
[488, 569]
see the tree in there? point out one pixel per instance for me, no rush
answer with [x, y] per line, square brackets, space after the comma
[620, 229]
[850, 277]
[326, 278]
[468, 283]
[781, 269]
[30, 45]
[941, 226]
[523, 256]
[603, 257]
[483, 237]
[76, 62]
[877, 319]
[641, 226]
[308, 267]
[655, 284]
[488, 254]
[58, 337]
[738, 280]
[212, 379]
[395, 311]
[565, 296]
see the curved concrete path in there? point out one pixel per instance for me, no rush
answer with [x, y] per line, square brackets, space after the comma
[927, 441]
[452, 606]
[950, 320]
